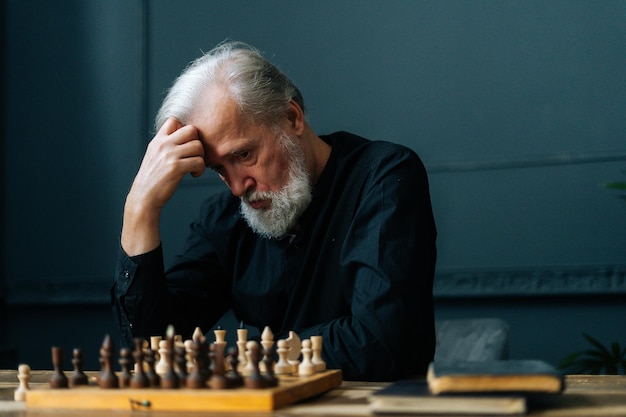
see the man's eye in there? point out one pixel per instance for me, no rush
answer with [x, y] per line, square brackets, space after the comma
[243, 154]
[218, 168]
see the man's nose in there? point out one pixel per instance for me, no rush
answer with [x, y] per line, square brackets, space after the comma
[240, 186]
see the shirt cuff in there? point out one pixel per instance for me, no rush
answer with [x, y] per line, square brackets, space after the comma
[135, 274]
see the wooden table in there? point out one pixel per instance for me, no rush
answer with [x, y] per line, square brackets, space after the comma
[584, 396]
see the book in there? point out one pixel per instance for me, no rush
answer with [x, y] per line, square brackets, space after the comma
[520, 376]
[414, 397]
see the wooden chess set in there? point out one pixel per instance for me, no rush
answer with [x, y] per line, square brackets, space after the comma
[171, 375]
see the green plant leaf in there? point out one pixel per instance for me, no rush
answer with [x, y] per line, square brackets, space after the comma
[597, 344]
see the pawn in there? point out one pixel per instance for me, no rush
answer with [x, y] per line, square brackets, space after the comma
[23, 374]
[161, 365]
[306, 367]
[232, 359]
[282, 367]
[125, 363]
[139, 379]
[78, 377]
[107, 378]
[254, 379]
[154, 380]
[316, 347]
[58, 378]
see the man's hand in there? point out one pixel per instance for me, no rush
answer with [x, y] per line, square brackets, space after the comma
[172, 153]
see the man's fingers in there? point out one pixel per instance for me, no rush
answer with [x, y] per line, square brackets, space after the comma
[170, 126]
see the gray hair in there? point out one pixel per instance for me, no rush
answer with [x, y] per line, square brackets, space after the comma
[259, 88]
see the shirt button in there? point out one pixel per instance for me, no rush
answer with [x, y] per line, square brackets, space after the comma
[126, 274]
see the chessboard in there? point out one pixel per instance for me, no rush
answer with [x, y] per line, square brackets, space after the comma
[291, 389]
[171, 375]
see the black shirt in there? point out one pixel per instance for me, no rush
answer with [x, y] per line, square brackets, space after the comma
[359, 271]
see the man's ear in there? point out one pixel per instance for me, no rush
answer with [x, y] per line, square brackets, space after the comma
[295, 115]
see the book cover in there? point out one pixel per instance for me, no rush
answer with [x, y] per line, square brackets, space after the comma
[414, 397]
[524, 375]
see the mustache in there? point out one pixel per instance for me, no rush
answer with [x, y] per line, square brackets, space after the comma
[260, 195]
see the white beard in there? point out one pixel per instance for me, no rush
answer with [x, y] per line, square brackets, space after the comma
[287, 204]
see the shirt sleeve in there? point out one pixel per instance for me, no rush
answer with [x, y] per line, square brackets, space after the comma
[139, 295]
[192, 292]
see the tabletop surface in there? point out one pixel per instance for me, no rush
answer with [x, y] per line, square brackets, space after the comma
[584, 395]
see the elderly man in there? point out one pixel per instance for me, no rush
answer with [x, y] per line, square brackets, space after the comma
[322, 235]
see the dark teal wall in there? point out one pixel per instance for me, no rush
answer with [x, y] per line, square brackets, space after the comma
[516, 107]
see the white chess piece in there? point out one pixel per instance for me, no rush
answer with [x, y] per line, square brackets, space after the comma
[23, 374]
[267, 341]
[220, 336]
[249, 368]
[316, 347]
[306, 367]
[242, 339]
[295, 345]
[161, 367]
[282, 367]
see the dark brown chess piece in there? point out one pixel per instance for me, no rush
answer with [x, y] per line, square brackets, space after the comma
[107, 378]
[269, 376]
[58, 378]
[150, 360]
[181, 363]
[125, 364]
[195, 378]
[78, 377]
[232, 359]
[139, 379]
[203, 359]
[218, 379]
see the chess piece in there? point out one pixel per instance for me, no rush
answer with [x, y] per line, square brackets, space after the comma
[195, 378]
[161, 366]
[78, 377]
[220, 335]
[58, 378]
[268, 373]
[282, 367]
[203, 358]
[218, 379]
[23, 375]
[107, 378]
[242, 340]
[306, 367]
[234, 377]
[249, 367]
[181, 363]
[267, 341]
[154, 380]
[316, 347]
[139, 379]
[294, 344]
[154, 345]
[125, 363]
[169, 379]
[254, 379]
